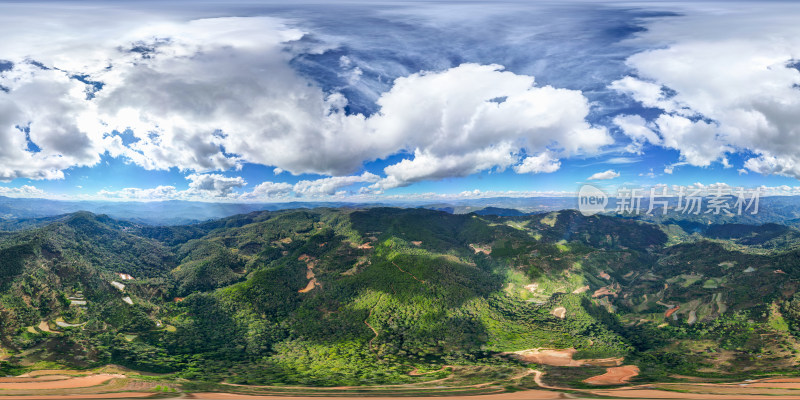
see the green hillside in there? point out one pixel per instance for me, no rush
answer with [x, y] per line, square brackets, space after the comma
[335, 297]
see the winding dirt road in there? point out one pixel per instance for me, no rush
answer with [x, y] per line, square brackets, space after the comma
[70, 383]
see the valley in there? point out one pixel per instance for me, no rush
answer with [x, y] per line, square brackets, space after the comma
[389, 302]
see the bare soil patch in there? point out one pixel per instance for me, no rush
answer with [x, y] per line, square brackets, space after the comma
[562, 358]
[486, 249]
[604, 291]
[309, 287]
[70, 383]
[310, 264]
[45, 327]
[671, 311]
[581, 289]
[615, 376]
[559, 312]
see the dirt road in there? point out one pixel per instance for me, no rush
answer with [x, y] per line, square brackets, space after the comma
[70, 383]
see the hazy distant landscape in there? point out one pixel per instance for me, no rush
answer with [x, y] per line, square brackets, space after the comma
[177, 212]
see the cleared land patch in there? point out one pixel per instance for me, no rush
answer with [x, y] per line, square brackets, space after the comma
[615, 376]
[312, 281]
[69, 383]
[559, 312]
[562, 358]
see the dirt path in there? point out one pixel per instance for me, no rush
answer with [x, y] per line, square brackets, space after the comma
[370, 326]
[80, 382]
[118, 395]
[19, 379]
[537, 377]
[775, 385]
[50, 372]
[373, 331]
[409, 273]
[614, 376]
[778, 380]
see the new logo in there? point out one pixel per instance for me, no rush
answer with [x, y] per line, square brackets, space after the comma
[591, 200]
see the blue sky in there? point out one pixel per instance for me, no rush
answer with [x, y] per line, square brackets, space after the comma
[258, 101]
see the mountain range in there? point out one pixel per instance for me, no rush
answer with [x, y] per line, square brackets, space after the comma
[348, 296]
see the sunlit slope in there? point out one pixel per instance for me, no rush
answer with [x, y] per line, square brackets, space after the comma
[346, 297]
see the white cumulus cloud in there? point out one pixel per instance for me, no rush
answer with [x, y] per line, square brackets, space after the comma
[544, 162]
[212, 187]
[474, 117]
[157, 193]
[637, 129]
[215, 184]
[726, 82]
[210, 94]
[332, 185]
[22, 191]
[609, 174]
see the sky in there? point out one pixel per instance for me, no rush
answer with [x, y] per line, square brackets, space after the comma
[267, 101]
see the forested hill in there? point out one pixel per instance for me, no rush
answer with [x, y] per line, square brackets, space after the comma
[346, 297]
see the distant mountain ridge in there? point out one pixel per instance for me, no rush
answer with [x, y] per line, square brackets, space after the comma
[179, 212]
[501, 212]
[20, 212]
[171, 212]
